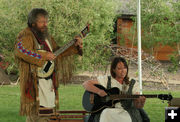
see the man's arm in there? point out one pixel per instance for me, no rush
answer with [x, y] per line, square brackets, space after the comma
[74, 49]
[24, 50]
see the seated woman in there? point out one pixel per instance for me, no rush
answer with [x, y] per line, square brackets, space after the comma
[121, 112]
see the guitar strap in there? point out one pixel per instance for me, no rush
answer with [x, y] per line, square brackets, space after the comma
[127, 104]
[47, 42]
[109, 82]
[131, 86]
[137, 115]
[43, 43]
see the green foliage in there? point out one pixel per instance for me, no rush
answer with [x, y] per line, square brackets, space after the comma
[67, 18]
[175, 61]
[160, 23]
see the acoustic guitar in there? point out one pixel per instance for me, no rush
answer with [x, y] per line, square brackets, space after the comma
[94, 103]
[47, 69]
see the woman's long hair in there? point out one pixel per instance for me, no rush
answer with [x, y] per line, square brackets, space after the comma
[114, 63]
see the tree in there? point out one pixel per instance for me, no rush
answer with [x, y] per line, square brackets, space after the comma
[67, 18]
[161, 26]
[159, 23]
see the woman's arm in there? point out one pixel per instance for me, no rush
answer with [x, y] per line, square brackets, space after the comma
[90, 86]
[139, 102]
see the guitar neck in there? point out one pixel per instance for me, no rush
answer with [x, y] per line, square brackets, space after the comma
[120, 97]
[62, 49]
[84, 32]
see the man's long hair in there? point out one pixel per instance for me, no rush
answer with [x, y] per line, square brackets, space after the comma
[114, 63]
[32, 16]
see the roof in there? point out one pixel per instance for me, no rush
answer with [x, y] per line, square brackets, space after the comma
[127, 7]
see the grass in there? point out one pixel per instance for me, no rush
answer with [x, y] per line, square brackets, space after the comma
[156, 107]
[70, 99]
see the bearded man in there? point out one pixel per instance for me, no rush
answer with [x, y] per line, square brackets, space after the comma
[38, 91]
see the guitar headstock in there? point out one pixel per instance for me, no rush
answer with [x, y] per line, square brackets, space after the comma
[85, 31]
[165, 97]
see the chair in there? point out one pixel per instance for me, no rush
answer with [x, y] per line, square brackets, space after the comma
[65, 116]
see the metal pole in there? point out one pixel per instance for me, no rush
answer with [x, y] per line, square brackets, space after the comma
[139, 44]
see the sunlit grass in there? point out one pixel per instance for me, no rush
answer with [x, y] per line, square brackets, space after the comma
[70, 99]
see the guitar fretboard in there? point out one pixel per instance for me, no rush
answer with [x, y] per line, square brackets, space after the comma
[84, 32]
[119, 97]
[61, 50]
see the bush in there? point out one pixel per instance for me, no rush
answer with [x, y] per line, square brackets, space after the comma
[67, 18]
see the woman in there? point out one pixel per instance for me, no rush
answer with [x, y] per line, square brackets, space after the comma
[120, 79]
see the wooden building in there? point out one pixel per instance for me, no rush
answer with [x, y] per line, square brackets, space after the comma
[124, 25]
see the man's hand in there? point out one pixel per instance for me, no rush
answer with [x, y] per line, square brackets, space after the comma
[50, 56]
[79, 42]
[139, 102]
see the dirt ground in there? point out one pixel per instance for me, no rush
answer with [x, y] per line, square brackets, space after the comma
[160, 79]
[151, 79]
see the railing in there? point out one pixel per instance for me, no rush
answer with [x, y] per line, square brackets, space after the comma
[64, 116]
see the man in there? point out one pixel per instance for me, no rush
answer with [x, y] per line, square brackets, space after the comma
[37, 91]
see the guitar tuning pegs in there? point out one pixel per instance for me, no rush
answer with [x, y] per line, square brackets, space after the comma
[170, 96]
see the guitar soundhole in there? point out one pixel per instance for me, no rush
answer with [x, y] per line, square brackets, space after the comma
[85, 31]
[47, 66]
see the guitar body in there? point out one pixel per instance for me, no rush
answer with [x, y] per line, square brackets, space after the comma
[95, 103]
[46, 70]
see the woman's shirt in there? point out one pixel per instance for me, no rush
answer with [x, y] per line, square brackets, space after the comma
[122, 87]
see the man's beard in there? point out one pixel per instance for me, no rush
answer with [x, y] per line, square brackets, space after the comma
[41, 35]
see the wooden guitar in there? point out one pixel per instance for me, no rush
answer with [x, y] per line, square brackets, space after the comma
[47, 69]
[94, 103]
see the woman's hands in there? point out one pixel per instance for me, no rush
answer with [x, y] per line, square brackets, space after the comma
[139, 102]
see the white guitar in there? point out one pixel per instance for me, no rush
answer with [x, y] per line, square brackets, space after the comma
[47, 69]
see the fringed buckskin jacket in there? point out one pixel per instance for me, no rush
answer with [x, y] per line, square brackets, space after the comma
[28, 59]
